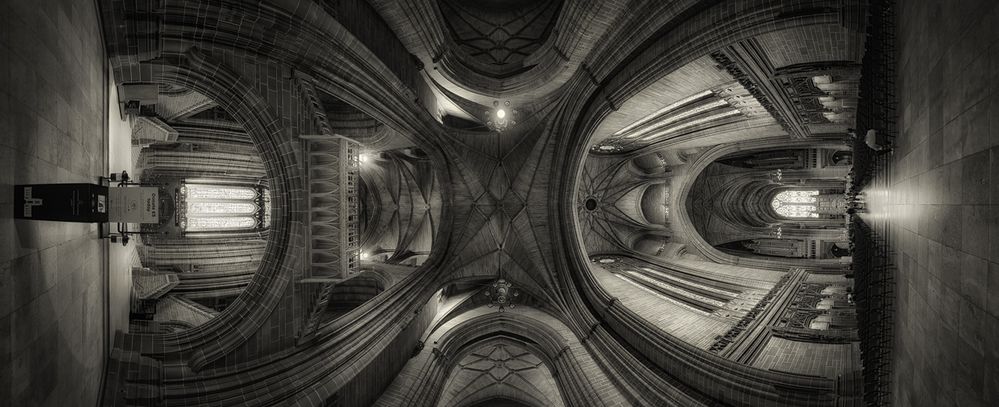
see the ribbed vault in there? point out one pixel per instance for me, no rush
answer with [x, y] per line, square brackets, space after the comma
[500, 370]
[401, 207]
[581, 207]
[458, 362]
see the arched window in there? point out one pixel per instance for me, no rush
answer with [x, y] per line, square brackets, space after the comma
[796, 204]
[223, 208]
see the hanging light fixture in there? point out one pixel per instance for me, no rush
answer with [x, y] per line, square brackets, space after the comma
[502, 294]
[500, 117]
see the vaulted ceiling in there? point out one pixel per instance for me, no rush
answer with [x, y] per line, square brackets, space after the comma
[589, 207]
[496, 38]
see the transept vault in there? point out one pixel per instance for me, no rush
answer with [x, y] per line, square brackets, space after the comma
[514, 203]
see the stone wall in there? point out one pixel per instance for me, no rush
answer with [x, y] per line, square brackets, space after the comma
[944, 200]
[53, 336]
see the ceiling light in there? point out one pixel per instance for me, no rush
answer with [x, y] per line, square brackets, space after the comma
[498, 117]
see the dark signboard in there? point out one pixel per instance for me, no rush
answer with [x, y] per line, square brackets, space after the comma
[61, 202]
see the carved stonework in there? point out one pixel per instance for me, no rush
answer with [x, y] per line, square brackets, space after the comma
[733, 69]
[498, 41]
[606, 147]
[801, 86]
[319, 118]
[811, 335]
[804, 95]
[722, 342]
[333, 168]
[833, 68]
[812, 301]
[798, 318]
[151, 130]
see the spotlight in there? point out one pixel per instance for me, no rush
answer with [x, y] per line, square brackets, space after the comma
[362, 158]
[501, 113]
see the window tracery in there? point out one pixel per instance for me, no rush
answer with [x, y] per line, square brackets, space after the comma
[223, 208]
[796, 204]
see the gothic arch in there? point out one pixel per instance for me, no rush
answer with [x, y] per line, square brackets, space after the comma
[628, 324]
[374, 89]
[531, 329]
[648, 367]
[684, 223]
[209, 341]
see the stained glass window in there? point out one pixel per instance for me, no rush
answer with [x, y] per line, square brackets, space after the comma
[220, 223]
[217, 207]
[796, 204]
[215, 192]
[196, 208]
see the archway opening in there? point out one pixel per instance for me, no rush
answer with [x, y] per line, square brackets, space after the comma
[215, 213]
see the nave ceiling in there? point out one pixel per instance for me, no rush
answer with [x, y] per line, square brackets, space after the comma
[480, 271]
